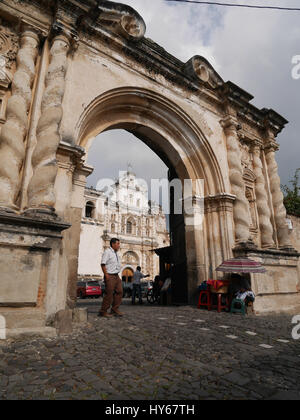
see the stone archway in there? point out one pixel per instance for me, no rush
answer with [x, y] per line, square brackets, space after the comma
[161, 124]
[181, 144]
[78, 69]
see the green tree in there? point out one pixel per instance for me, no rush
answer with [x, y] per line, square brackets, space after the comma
[292, 195]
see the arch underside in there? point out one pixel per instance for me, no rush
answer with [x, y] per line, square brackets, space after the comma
[160, 124]
[183, 147]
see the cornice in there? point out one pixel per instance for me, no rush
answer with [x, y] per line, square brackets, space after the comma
[261, 119]
[120, 27]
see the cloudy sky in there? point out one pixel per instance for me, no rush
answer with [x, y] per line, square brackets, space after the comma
[252, 48]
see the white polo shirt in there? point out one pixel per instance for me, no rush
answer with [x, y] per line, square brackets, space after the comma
[137, 277]
[111, 260]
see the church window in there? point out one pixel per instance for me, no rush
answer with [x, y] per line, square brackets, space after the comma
[90, 210]
[129, 227]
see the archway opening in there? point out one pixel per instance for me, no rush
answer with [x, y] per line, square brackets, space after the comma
[179, 142]
[123, 207]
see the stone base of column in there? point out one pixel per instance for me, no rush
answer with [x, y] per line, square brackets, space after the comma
[41, 212]
[25, 322]
[277, 291]
[29, 266]
[9, 210]
[288, 248]
[249, 245]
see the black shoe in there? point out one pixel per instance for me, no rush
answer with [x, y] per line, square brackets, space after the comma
[141, 302]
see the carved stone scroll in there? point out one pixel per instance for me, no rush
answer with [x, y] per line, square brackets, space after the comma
[118, 18]
[241, 205]
[264, 213]
[198, 68]
[41, 187]
[12, 147]
[277, 197]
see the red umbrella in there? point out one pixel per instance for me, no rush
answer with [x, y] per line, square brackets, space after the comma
[241, 265]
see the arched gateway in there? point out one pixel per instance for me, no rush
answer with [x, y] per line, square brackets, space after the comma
[75, 69]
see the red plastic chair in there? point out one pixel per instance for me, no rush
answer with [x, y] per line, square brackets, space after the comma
[220, 306]
[207, 302]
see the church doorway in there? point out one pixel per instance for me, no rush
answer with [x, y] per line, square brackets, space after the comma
[127, 275]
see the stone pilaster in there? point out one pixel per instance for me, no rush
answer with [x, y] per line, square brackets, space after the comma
[41, 196]
[263, 207]
[277, 195]
[241, 206]
[14, 131]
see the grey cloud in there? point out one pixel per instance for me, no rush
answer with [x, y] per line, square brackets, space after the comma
[252, 48]
[113, 150]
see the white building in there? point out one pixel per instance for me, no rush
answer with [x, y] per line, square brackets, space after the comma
[127, 214]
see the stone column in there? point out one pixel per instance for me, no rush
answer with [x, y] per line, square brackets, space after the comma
[41, 196]
[14, 131]
[277, 196]
[192, 231]
[263, 207]
[241, 205]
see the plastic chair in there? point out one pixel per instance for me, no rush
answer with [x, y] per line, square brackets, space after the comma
[207, 301]
[220, 305]
[238, 307]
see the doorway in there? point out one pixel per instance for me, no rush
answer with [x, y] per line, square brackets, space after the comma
[127, 275]
[130, 213]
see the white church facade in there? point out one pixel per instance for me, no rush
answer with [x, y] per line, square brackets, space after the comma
[127, 214]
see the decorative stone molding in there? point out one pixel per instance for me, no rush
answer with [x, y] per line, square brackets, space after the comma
[241, 206]
[12, 147]
[277, 196]
[41, 187]
[9, 45]
[198, 68]
[5, 76]
[264, 213]
[220, 202]
[117, 18]
[246, 156]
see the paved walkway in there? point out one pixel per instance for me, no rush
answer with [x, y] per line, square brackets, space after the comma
[157, 353]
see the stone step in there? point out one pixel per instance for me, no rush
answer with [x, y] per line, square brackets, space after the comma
[45, 332]
[16, 318]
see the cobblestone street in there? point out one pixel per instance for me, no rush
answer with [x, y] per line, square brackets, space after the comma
[157, 353]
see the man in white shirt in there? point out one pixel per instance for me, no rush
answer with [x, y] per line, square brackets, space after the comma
[111, 268]
[137, 288]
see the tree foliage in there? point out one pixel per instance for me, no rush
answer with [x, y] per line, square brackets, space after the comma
[292, 195]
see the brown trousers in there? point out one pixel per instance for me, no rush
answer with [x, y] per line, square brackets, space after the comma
[113, 293]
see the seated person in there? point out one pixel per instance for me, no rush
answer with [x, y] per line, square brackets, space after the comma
[246, 296]
[238, 283]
